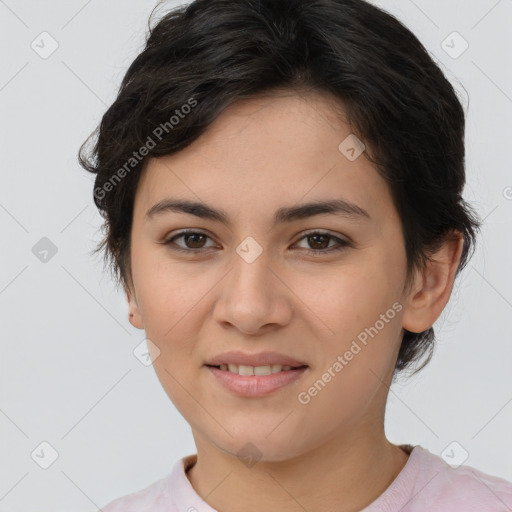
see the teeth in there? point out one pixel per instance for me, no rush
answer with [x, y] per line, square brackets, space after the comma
[243, 369]
[262, 370]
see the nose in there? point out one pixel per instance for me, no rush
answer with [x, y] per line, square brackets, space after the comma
[253, 297]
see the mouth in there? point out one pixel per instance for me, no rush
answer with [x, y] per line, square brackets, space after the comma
[256, 381]
[246, 370]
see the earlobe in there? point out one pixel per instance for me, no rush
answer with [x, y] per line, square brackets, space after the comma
[134, 315]
[433, 286]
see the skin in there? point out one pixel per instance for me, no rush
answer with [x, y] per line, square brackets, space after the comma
[260, 155]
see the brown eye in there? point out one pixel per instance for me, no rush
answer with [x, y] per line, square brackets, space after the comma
[319, 243]
[194, 241]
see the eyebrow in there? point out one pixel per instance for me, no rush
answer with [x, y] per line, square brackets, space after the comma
[286, 214]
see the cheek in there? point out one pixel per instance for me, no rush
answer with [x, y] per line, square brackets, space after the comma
[353, 298]
[166, 290]
[359, 350]
[360, 305]
[172, 302]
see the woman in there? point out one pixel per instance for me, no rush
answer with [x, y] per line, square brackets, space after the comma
[281, 183]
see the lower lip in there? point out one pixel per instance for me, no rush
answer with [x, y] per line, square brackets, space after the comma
[256, 385]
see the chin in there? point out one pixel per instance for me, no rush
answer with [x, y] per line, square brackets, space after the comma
[250, 449]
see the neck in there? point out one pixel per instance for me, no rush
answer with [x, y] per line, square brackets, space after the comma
[343, 475]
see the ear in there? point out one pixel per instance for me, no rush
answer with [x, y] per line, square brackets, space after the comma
[134, 315]
[433, 286]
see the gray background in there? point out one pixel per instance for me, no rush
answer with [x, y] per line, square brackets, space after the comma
[68, 375]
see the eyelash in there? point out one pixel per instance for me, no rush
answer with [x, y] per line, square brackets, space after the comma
[342, 244]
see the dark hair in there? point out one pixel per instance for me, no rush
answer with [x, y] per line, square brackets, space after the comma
[202, 57]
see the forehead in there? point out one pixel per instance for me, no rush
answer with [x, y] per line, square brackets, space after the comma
[265, 153]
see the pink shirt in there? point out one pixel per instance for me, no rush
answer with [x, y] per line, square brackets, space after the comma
[426, 483]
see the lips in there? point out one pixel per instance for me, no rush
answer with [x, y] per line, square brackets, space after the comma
[256, 386]
[256, 359]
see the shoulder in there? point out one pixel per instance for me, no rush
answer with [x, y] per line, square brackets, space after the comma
[449, 488]
[168, 494]
[150, 498]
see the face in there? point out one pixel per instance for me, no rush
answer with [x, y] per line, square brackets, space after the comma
[311, 287]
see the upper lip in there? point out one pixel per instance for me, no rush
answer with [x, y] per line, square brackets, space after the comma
[258, 359]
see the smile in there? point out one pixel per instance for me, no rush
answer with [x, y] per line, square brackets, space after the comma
[255, 381]
[242, 369]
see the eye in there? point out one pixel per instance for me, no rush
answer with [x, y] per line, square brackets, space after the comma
[195, 242]
[319, 240]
